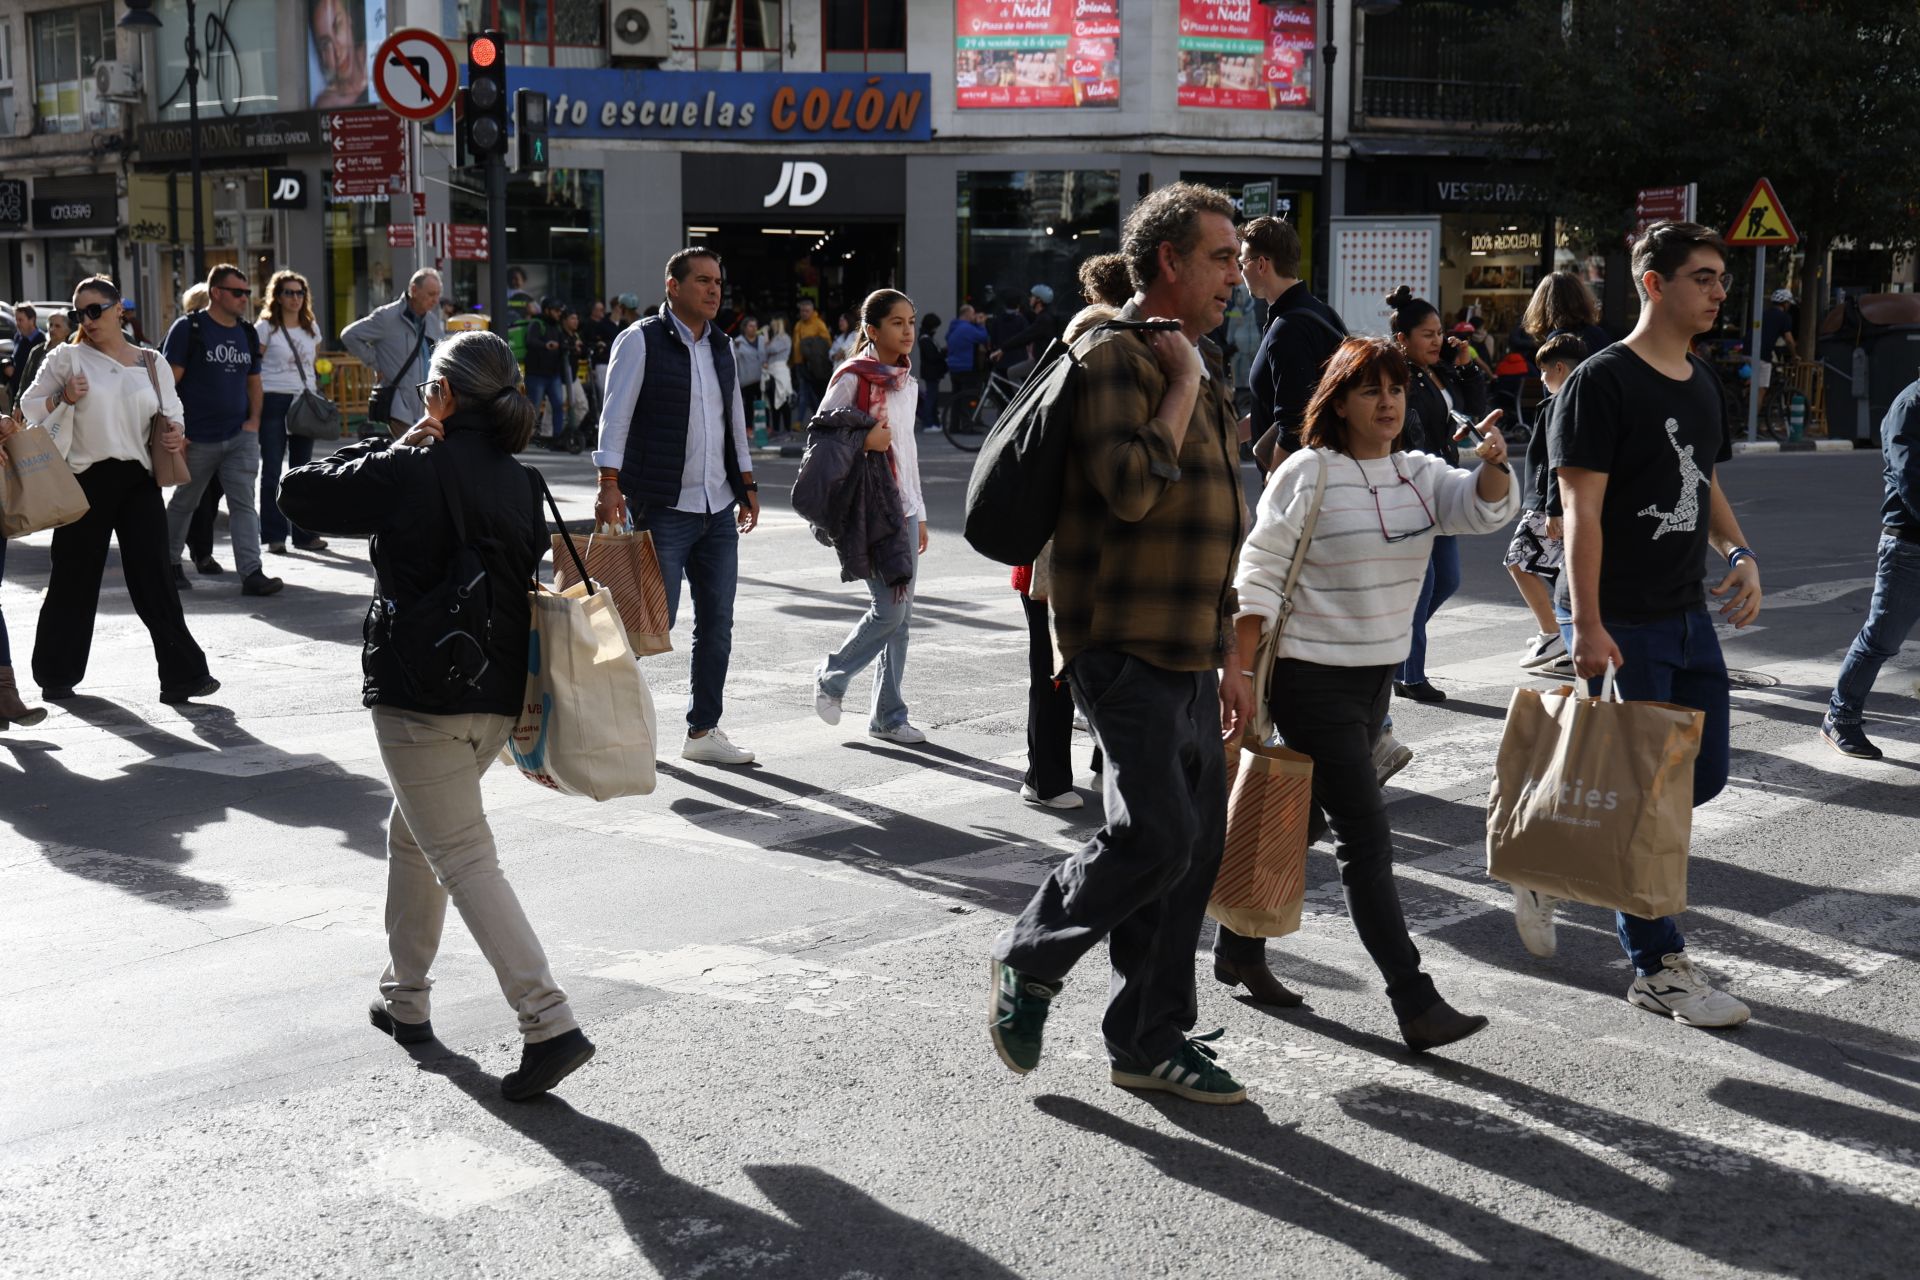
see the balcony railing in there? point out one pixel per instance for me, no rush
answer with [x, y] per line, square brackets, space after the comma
[1427, 62]
[1430, 100]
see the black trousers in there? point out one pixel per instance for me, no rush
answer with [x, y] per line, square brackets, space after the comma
[123, 505]
[1142, 882]
[1334, 714]
[1049, 710]
[200, 528]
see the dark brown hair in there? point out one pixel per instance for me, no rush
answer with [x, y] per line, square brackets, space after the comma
[1170, 215]
[1409, 312]
[1561, 348]
[1560, 301]
[1275, 240]
[1104, 280]
[682, 262]
[1667, 246]
[874, 311]
[1357, 362]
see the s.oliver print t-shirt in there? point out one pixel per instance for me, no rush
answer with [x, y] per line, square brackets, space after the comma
[1657, 439]
[217, 363]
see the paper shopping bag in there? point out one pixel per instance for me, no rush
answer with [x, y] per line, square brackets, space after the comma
[587, 726]
[1593, 800]
[37, 488]
[625, 563]
[1263, 872]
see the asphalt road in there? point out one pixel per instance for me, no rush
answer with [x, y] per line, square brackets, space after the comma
[783, 967]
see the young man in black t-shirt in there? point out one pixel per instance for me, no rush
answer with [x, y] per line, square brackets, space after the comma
[1637, 432]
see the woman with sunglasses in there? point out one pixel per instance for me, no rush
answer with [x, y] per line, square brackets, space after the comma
[96, 395]
[1353, 615]
[289, 343]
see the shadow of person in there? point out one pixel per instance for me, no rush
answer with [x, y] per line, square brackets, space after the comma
[1894, 1138]
[826, 1227]
[1300, 1181]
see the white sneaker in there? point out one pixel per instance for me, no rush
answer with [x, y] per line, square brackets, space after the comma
[1065, 800]
[1560, 668]
[1542, 649]
[1683, 993]
[1533, 917]
[714, 747]
[1080, 720]
[826, 706]
[903, 733]
[1389, 757]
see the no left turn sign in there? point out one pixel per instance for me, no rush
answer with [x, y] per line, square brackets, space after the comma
[415, 75]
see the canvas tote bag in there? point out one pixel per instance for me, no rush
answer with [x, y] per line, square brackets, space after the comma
[624, 562]
[37, 489]
[1593, 799]
[1262, 884]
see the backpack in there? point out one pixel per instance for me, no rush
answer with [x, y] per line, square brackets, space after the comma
[1013, 496]
[439, 641]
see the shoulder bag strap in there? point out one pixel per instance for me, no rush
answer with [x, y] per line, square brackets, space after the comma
[295, 352]
[1307, 527]
[1268, 650]
[419, 340]
[561, 526]
[153, 378]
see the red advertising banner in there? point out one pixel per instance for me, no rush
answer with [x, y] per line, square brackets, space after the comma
[1247, 56]
[1036, 53]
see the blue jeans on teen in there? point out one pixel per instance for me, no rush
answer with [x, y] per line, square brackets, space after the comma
[1443, 579]
[553, 388]
[881, 633]
[1676, 660]
[706, 548]
[278, 449]
[1890, 619]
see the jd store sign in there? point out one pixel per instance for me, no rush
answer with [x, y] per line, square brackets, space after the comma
[758, 187]
[286, 189]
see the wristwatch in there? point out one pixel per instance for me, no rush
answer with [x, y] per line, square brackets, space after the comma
[751, 487]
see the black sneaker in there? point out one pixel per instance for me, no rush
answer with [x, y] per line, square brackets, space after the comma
[208, 565]
[180, 578]
[1849, 739]
[205, 689]
[258, 583]
[546, 1064]
[1421, 692]
[1017, 1015]
[402, 1032]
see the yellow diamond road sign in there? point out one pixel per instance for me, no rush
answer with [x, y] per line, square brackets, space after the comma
[1762, 220]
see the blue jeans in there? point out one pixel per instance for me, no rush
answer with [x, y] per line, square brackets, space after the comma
[706, 548]
[1443, 579]
[881, 633]
[1890, 619]
[1674, 660]
[553, 388]
[276, 448]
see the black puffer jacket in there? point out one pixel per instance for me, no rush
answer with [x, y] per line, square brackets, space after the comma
[1429, 426]
[849, 495]
[392, 492]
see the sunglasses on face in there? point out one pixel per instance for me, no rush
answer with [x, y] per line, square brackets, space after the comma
[293, 293]
[238, 293]
[92, 311]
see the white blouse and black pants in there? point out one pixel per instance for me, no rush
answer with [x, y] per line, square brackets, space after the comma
[104, 438]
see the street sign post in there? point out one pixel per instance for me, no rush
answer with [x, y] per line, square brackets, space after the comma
[369, 154]
[415, 76]
[1762, 222]
[1664, 204]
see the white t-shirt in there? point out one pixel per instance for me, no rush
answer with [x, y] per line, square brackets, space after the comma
[278, 372]
[110, 421]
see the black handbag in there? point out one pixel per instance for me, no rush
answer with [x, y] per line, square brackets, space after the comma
[311, 414]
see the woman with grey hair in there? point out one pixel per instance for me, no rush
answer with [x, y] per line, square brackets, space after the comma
[449, 492]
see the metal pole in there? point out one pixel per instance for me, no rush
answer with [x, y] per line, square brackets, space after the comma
[415, 190]
[1754, 354]
[193, 139]
[1323, 205]
[497, 242]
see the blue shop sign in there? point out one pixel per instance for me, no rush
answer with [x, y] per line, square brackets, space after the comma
[729, 106]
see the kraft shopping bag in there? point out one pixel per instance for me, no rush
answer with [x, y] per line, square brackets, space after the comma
[625, 563]
[1592, 799]
[37, 488]
[1262, 883]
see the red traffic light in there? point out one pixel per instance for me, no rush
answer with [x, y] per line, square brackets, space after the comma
[482, 52]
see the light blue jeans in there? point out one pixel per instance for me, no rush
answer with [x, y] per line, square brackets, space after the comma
[881, 633]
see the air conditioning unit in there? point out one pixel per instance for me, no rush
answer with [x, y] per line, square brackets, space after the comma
[639, 29]
[116, 81]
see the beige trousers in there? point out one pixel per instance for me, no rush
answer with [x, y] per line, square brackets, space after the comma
[438, 847]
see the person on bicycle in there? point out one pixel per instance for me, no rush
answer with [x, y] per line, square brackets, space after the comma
[1018, 353]
[966, 354]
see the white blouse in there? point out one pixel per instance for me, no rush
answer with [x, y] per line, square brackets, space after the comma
[110, 421]
[278, 372]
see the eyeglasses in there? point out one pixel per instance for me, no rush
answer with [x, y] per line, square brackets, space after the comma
[92, 311]
[291, 293]
[1382, 515]
[425, 389]
[1705, 280]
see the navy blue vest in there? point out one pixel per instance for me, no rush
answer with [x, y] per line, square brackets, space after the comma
[656, 453]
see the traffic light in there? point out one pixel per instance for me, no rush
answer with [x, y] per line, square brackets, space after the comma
[486, 117]
[530, 118]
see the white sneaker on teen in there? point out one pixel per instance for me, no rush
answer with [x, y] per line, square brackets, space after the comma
[1065, 800]
[1683, 993]
[1560, 668]
[826, 706]
[1542, 649]
[1389, 757]
[903, 733]
[714, 747]
[1533, 917]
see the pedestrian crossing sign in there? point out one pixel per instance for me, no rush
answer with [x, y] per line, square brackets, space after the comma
[1762, 221]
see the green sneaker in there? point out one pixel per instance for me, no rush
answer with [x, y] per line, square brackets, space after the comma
[1191, 1073]
[1016, 1013]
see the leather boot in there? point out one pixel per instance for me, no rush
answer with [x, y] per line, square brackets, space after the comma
[12, 710]
[1262, 987]
[1442, 1024]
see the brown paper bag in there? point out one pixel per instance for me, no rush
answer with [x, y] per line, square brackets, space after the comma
[37, 489]
[1263, 872]
[1593, 800]
[626, 565]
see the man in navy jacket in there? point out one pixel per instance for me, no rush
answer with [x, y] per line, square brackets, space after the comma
[1302, 332]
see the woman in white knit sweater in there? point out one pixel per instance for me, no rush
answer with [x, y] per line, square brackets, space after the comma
[1351, 624]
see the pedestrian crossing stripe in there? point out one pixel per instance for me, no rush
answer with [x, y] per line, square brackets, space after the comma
[1762, 221]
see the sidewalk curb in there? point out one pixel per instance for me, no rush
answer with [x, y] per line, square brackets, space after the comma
[1800, 446]
[779, 451]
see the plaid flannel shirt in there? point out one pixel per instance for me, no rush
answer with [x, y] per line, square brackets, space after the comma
[1144, 552]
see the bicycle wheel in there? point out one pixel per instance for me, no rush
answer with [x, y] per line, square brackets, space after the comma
[966, 423]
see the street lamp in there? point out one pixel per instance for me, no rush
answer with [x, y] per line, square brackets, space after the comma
[1323, 209]
[140, 17]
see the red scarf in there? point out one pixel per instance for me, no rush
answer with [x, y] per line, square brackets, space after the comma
[877, 378]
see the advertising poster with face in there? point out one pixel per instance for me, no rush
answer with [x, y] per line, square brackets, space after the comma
[1037, 53]
[1247, 56]
[342, 36]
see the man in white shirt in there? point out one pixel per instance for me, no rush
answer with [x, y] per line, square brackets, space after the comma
[673, 444]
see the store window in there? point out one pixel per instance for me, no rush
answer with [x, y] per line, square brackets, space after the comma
[362, 272]
[71, 259]
[865, 35]
[239, 58]
[1489, 267]
[66, 44]
[1025, 227]
[9, 122]
[728, 35]
[548, 22]
[556, 239]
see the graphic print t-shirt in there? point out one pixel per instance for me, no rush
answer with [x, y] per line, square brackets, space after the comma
[213, 390]
[1658, 440]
